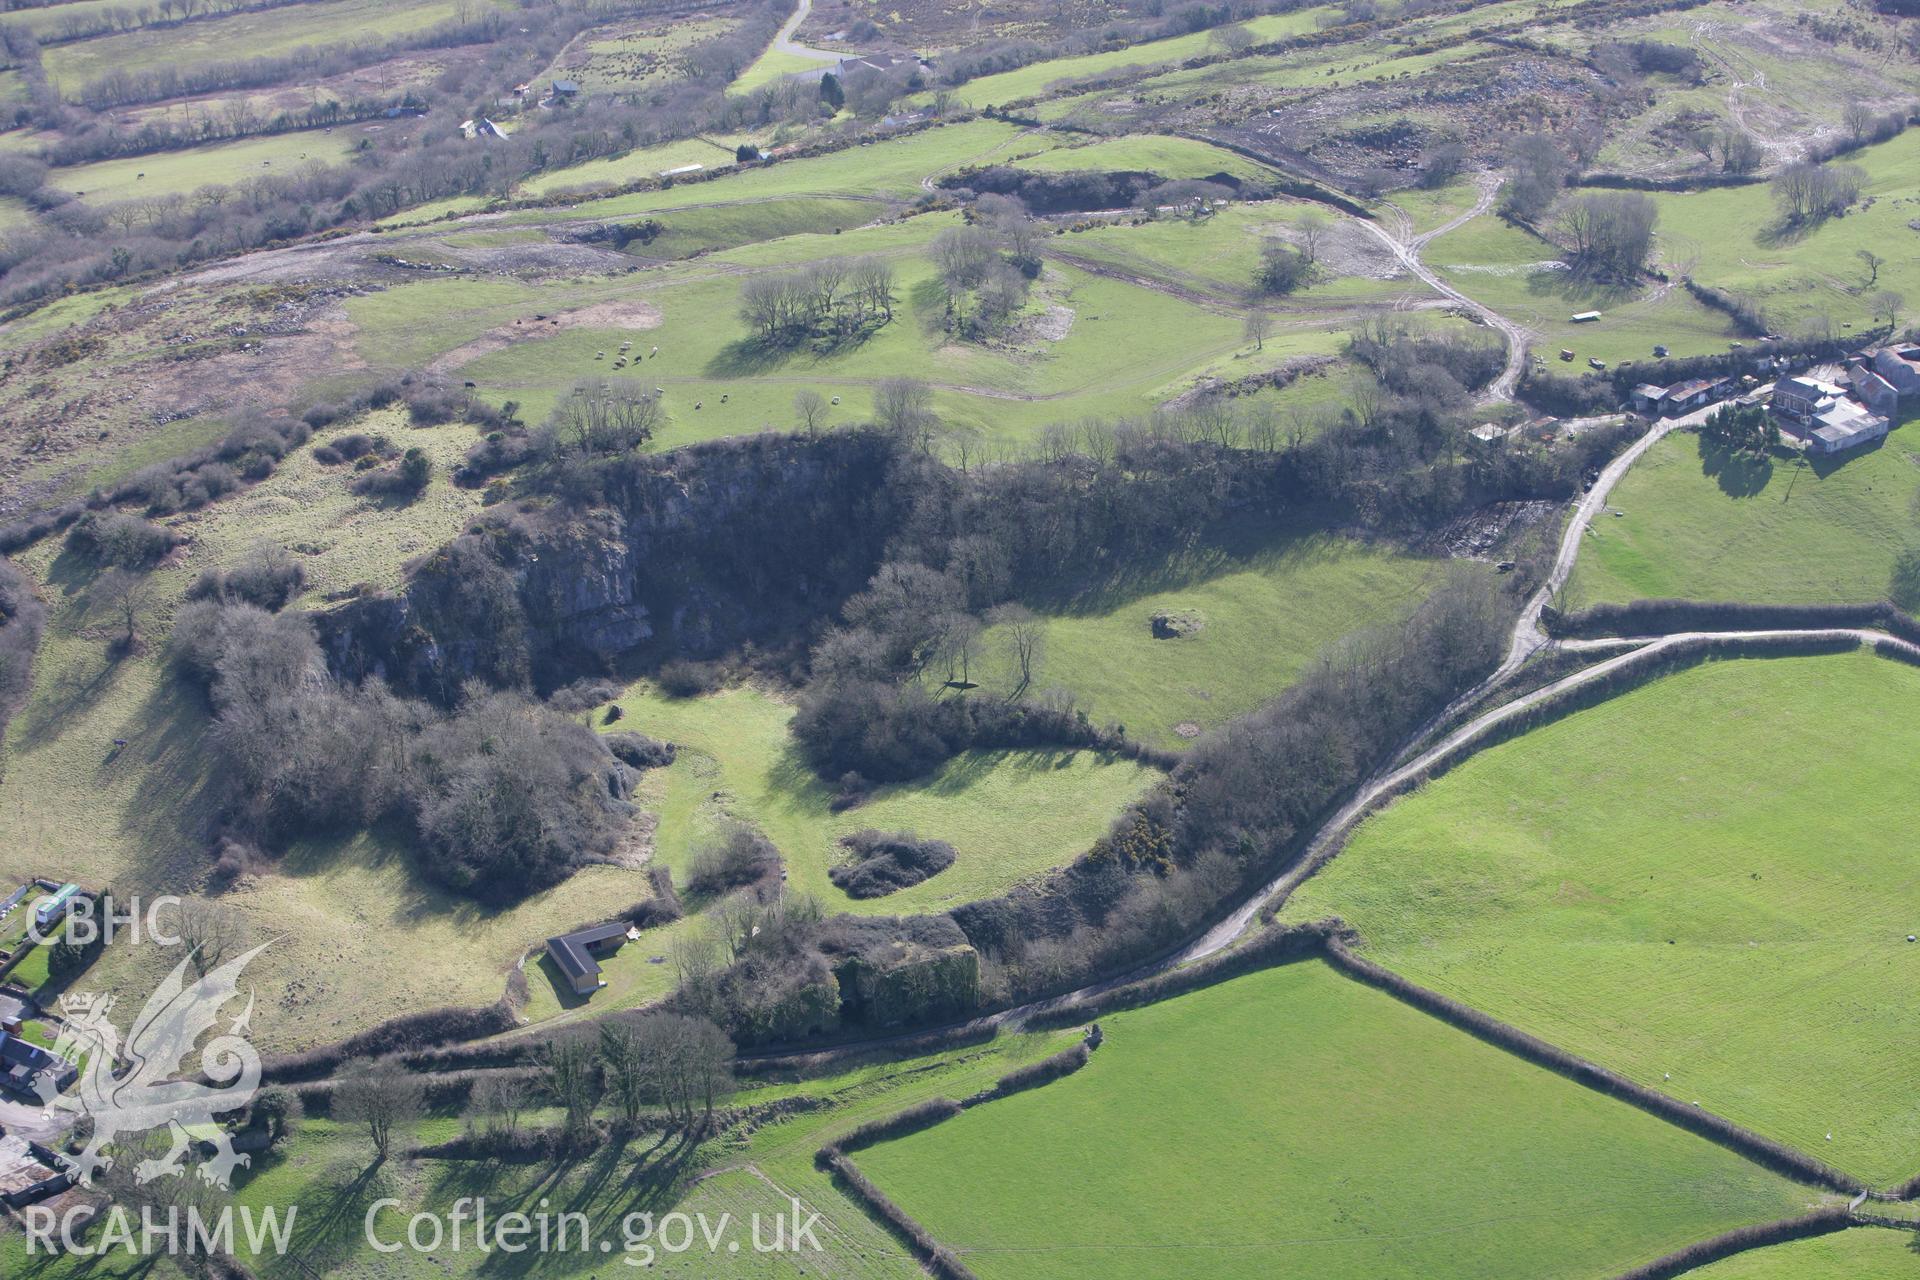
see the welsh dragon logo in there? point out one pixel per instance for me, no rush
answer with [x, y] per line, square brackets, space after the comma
[133, 1087]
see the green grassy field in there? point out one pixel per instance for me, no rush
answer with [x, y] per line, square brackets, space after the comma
[359, 937]
[647, 162]
[180, 172]
[1266, 615]
[774, 64]
[1863, 1253]
[1787, 531]
[1518, 276]
[1706, 884]
[1149, 153]
[1804, 278]
[259, 34]
[1008, 815]
[1295, 1123]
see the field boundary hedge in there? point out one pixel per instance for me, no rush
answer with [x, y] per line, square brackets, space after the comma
[1739, 1240]
[833, 1157]
[1763, 1151]
[1665, 616]
[939, 1259]
[1273, 946]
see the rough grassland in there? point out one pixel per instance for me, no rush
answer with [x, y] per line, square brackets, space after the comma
[360, 938]
[1706, 884]
[1266, 616]
[1789, 530]
[1032, 81]
[1865, 1253]
[1295, 1123]
[1008, 815]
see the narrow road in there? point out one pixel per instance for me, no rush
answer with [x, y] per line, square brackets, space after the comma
[783, 41]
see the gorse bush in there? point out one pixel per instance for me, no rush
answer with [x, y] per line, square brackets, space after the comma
[116, 538]
[883, 862]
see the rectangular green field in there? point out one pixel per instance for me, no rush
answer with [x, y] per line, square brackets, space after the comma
[1786, 530]
[1296, 1123]
[179, 172]
[1706, 883]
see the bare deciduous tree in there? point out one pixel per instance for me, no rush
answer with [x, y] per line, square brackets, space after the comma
[382, 1095]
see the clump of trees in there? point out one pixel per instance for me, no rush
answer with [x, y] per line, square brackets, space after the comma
[599, 417]
[505, 795]
[1806, 192]
[883, 862]
[1747, 429]
[1608, 234]
[985, 272]
[831, 302]
[1286, 266]
[741, 857]
[1537, 169]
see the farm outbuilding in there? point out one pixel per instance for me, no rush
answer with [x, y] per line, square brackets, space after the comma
[573, 953]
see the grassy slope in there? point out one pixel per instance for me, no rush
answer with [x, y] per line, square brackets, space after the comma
[361, 938]
[179, 172]
[1150, 153]
[1732, 237]
[1294, 1120]
[1128, 347]
[1788, 531]
[1032, 81]
[1866, 1253]
[1008, 815]
[1705, 883]
[1267, 616]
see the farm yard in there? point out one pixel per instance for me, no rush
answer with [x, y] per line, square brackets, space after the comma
[969, 621]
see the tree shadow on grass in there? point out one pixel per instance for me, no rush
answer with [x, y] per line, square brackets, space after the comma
[1739, 475]
[67, 695]
[1825, 464]
[1244, 545]
[747, 357]
[329, 1229]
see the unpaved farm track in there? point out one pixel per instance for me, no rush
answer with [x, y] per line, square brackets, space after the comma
[1408, 249]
